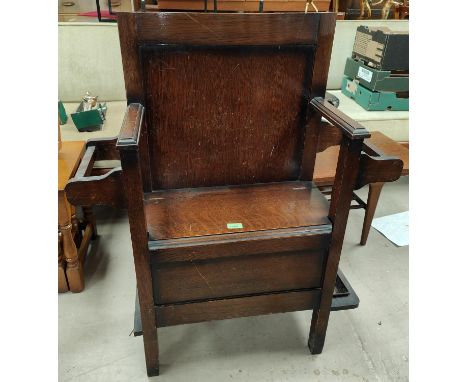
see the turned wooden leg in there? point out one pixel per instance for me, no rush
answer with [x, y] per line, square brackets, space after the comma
[90, 219]
[62, 278]
[74, 269]
[372, 200]
[76, 231]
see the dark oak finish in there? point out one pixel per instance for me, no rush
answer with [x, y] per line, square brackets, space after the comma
[134, 190]
[217, 151]
[318, 83]
[239, 244]
[104, 148]
[378, 169]
[374, 193]
[208, 211]
[237, 307]
[226, 29]
[106, 189]
[344, 298]
[350, 128]
[383, 160]
[252, 118]
[86, 189]
[236, 276]
[347, 171]
[329, 136]
[378, 147]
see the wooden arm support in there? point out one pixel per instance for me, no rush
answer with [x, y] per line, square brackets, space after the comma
[85, 190]
[378, 169]
[130, 132]
[374, 165]
[349, 127]
[106, 189]
[105, 148]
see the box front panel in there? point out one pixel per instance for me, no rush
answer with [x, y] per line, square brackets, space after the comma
[236, 276]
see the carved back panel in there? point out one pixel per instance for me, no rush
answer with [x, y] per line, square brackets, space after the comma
[225, 95]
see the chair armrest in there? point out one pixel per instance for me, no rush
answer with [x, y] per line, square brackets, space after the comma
[378, 169]
[130, 131]
[104, 189]
[105, 148]
[375, 165]
[348, 126]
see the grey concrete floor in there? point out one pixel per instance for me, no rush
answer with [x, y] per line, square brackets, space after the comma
[365, 344]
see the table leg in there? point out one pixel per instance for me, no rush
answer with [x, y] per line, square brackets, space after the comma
[90, 219]
[76, 231]
[74, 269]
[372, 200]
[62, 278]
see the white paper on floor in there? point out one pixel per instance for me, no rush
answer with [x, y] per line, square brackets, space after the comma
[394, 227]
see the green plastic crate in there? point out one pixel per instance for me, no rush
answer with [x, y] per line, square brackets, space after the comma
[373, 101]
[376, 80]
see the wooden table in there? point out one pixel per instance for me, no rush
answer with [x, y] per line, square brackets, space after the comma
[70, 267]
[325, 166]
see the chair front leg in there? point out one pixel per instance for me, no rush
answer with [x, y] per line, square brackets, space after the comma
[342, 194]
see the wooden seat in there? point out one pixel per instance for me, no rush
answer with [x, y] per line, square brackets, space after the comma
[184, 213]
[256, 239]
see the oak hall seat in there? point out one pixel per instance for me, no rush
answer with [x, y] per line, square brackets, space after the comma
[217, 150]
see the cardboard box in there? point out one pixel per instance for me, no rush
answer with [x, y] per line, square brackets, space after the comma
[374, 101]
[382, 48]
[376, 80]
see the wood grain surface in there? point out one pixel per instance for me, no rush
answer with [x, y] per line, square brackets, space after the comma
[178, 314]
[240, 244]
[225, 116]
[228, 28]
[227, 99]
[236, 276]
[68, 161]
[208, 211]
[325, 166]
